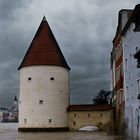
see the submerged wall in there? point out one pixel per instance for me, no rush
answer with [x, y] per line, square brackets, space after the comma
[101, 119]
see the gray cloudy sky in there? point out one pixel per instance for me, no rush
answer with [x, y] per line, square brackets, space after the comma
[84, 30]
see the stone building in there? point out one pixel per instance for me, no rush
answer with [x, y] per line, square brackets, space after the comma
[44, 90]
[131, 48]
[117, 70]
[100, 116]
[130, 43]
[44, 84]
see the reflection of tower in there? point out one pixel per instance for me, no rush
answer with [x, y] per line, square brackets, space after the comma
[44, 84]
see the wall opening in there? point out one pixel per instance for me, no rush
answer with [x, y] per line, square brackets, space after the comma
[101, 114]
[40, 101]
[29, 78]
[50, 120]
[25, 121]
[52, 78]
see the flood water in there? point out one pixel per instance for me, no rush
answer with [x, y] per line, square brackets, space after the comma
[8, 131]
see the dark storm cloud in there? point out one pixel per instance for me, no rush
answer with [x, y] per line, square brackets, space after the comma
[84, 30]
[10, 51]
[87, 48]
[8, 9]
[88, 29]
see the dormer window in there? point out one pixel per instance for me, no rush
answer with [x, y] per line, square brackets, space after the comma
[137, 24]
[137, 56]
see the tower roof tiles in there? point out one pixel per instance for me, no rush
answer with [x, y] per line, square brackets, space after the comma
[44, 49]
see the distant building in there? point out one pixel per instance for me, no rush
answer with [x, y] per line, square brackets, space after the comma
[44, 84]
[1, 115]
[4, 114]
[10, 115]
[15, 103]
[14, 111]
[129, 24]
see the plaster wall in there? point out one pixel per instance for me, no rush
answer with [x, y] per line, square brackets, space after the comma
[44, 97]
[79, 119]
[131, 44]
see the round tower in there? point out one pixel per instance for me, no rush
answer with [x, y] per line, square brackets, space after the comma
[44, 84]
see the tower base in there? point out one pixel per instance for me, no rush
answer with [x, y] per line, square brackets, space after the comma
[34, 129]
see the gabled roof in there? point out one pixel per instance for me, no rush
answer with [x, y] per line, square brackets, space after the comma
[44, 49]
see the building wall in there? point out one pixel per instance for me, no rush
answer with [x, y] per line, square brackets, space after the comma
[118, 97]
[118, 83]
[79, 119]
[113, 84]
[1, 116]
[131, 43]
[44, 97]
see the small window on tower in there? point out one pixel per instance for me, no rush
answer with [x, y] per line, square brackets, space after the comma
[101, 114]
[40, 101]
[52, 78]
[50, 120]
[29, 78]
[25, 121]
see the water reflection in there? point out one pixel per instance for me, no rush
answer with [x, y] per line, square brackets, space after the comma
[9, 132]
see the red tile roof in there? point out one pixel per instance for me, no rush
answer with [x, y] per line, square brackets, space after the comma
[90, 107]
[44, 49]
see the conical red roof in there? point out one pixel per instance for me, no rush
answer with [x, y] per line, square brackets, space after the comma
[44, 49]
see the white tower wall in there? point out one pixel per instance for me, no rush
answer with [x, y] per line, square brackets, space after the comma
[44, 97]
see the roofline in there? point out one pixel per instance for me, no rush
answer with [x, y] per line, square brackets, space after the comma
[29, 47]
[132, 17]
[117, 33]
[126, 10]
[45, 65]
[98, 107]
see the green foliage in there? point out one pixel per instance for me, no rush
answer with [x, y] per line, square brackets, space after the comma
[102, 97]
